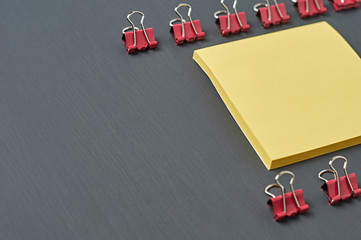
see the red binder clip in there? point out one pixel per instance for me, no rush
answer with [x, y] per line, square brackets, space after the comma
[310, 8]
[339, 5]
[231, 23]
[339, 188]
[138, 39]
[186, 31]
[287, 204]
[272, 14]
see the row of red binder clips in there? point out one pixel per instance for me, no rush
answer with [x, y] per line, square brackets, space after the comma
[293, 203]
[189, 31]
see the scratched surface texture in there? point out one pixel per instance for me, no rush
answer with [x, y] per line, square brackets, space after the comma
[97, 144]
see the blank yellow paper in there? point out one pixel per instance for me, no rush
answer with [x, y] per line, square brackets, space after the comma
[295, 94]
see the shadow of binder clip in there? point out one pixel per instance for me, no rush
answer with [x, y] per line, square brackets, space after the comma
[186, 31]
[271, 14]
[339, 5]
[310, 8]
[287, 204]
[339, 188]
[138, 39]
[231, 23]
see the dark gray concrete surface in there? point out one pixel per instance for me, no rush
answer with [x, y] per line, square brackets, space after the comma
[97, 144]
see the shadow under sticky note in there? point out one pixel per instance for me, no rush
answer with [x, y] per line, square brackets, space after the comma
[295, 94]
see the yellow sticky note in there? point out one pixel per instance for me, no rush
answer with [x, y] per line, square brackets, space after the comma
[295, 94]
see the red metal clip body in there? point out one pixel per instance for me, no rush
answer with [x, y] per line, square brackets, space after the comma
[315, 7]
[138, 39]
[339, 5]
[330, 189]
[272, 14]
[275, 18]
[231, 23]
[186, 31]
[235, 27]
[287, 204]
[339, 188]
[189, 34]
[292, 209]
[141, 42]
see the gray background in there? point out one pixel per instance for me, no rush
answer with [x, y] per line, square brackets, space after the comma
[97, 144]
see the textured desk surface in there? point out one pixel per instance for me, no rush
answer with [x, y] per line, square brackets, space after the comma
[96, 144]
